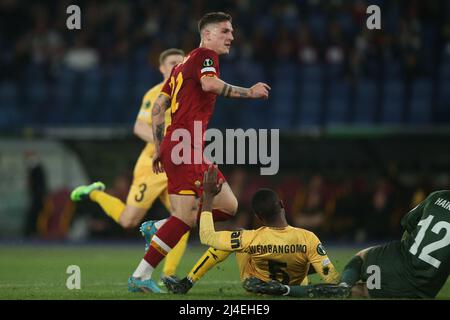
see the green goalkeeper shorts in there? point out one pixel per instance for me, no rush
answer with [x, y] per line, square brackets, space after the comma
[394, 279]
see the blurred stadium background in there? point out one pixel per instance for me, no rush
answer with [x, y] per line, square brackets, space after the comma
[364, 115]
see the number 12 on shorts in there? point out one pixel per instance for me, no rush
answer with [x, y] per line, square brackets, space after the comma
[436, 245]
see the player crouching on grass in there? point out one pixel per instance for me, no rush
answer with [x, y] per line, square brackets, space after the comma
[415, 267]
[276, 251]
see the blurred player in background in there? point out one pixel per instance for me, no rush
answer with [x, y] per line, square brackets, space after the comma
[147, 186]
[275, 251]
[190, 93]
[415, 267]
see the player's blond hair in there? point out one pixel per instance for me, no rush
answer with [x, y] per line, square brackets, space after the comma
[170, 52]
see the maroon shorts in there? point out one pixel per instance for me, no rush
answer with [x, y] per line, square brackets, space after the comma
[183, 179]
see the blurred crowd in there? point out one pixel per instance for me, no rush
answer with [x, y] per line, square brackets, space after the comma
[322, 62]
[417, 33]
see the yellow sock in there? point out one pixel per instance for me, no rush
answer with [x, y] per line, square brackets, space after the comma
[112, 206]
[174, 256]
[209, 259]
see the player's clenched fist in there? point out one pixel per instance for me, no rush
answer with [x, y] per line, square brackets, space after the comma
[259, 90]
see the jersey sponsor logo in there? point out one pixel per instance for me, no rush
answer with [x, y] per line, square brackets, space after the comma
[208, 62]
[321, 250]
[443, 203]
[235, 239]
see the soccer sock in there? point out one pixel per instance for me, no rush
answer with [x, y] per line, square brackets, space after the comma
[352, 271]
[159, 223]
[174, 256]
[144, 270]
[208, 260]
[112, 206]
[164, 240]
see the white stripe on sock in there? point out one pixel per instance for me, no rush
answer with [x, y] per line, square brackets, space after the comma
[161, 243]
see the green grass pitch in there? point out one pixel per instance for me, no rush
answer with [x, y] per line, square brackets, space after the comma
[39, 272]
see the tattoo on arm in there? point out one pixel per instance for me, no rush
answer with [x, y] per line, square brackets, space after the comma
[226, 90]
[159, 105]
[166, 103]
[159, 134]
[156, 109]
[233, 91]
[241, 92]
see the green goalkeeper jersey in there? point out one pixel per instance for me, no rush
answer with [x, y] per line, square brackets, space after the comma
[426, 244]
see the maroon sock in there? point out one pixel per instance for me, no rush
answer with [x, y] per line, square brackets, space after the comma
[165, 239]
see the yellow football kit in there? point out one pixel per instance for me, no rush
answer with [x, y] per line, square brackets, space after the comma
[148, 186]
[283, 254]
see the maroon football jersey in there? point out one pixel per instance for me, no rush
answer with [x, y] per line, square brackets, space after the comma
[189, 102]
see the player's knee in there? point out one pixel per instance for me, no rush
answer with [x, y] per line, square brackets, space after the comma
[362, 253]
[233, 206]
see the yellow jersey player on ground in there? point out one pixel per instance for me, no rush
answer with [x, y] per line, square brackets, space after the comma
[274, 252]
[146, 186]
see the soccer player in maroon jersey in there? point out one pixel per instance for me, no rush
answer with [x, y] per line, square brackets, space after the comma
[191, 93]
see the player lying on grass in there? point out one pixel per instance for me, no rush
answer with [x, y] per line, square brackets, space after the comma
[415, 267]
[146, 186]
[276, 251]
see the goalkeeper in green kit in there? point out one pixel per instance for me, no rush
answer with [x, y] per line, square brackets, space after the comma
[415, 267]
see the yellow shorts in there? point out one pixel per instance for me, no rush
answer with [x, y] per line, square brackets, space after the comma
[247, 269]
[147, 186]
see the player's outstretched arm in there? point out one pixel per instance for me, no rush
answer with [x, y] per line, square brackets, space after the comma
[143, 130]
[220, 87]
[159, 108]
[208, 235]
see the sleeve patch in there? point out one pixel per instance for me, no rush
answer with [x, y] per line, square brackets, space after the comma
[208, 69]
[208, 62]
[235, 239]
[321, 250]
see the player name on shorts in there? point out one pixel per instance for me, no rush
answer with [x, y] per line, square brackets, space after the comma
[258, 145]
[269, 248]
[443, 203]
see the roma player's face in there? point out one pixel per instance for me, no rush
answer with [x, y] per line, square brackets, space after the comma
[168, 64]
[220, 37]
